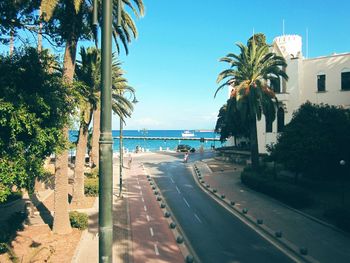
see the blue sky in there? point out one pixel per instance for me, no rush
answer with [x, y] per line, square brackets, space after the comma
[174, 62]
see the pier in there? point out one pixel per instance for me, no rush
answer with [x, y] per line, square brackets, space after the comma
[167, 138]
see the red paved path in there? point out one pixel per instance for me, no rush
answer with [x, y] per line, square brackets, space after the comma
[152, 239]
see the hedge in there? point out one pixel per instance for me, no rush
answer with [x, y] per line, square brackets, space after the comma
[292, 195]
[91, 187]
[340, 216]
[78, 220]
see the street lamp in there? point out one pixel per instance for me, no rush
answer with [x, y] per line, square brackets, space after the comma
[134, 101]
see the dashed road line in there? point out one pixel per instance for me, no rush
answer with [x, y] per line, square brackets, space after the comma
[143, 200]
[177, 189]
[151, 231]
[145, 208]
[172, 180]
[148, 219]
[197, 217]
[156, 249]
[186, 202]
[140, 192]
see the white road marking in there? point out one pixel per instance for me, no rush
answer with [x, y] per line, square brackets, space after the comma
[177, 189]
[143, 200]
[156, 249]
[148, 219]
[140, 192]
[197, 217]
[172, 180]
[145, 208]
[151, 230]
[186, 202]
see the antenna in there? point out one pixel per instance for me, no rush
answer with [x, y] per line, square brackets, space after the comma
[307, 42]
[283, 27]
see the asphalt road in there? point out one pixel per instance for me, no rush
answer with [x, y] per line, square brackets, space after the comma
[214, 233]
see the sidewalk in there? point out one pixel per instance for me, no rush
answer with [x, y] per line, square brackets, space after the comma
[140, 231]
[323, 243]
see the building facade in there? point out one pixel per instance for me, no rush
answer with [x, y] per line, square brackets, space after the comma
[323, 79]
[318, 80]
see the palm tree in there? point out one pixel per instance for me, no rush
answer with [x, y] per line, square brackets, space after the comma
[68, 22]
[88, 73]
[250, 72]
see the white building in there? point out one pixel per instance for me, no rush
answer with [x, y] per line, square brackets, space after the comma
[318, 80]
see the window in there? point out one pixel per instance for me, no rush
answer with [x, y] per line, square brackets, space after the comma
[321, 83]
[268, 125]
[280, 120]
[276, 85]
[345, 81]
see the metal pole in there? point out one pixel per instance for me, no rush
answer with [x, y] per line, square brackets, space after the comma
[121, 158]
[106, 141]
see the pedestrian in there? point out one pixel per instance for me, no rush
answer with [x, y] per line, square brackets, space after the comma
[186, 157]
[129, 161]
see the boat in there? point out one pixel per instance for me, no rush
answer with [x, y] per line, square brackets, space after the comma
[187, 134]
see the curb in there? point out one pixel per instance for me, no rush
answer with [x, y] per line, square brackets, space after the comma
[180, 238]
[274, 237]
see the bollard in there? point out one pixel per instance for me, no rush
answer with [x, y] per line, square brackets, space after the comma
[303, 251]
[162, 205]
[259, 221]
[244, 210]
[155, 192]
[278, 234]
[172, 225]
[189, 259]
[214, 190]
[223, 196]
[232, 203]
[167, 214]
[179, 239]
[159, 198]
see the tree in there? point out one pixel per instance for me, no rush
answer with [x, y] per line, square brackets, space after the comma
[250, 73]
[88, 73]
[33, 110]
[230, 123]
[68, 21]
[314, 141]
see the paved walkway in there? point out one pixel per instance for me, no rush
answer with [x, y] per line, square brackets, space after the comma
[324, 243]
[141, 233]
[152, 239]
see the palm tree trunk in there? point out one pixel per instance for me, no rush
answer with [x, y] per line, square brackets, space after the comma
[95, 137]
[61, 223]
[78, 186]
[254, 150]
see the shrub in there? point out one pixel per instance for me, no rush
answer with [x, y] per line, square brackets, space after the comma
[340, 216]
[91, 187]
[292, 195]
[78, 220]
[13, 196]
[93, 174]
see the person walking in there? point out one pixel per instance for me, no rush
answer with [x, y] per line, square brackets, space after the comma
[186, 157]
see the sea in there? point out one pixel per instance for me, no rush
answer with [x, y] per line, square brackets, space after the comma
[161, 144]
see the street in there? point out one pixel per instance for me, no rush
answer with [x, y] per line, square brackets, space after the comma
[214, 234]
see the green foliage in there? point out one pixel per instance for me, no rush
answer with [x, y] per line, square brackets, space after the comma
[12, 196]
[78, 220]
[34, 107]
[248, 74]
[91, 186]
[93, 174]
[290, 194]
[230, 123]
[314, 141]
[14, 16]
